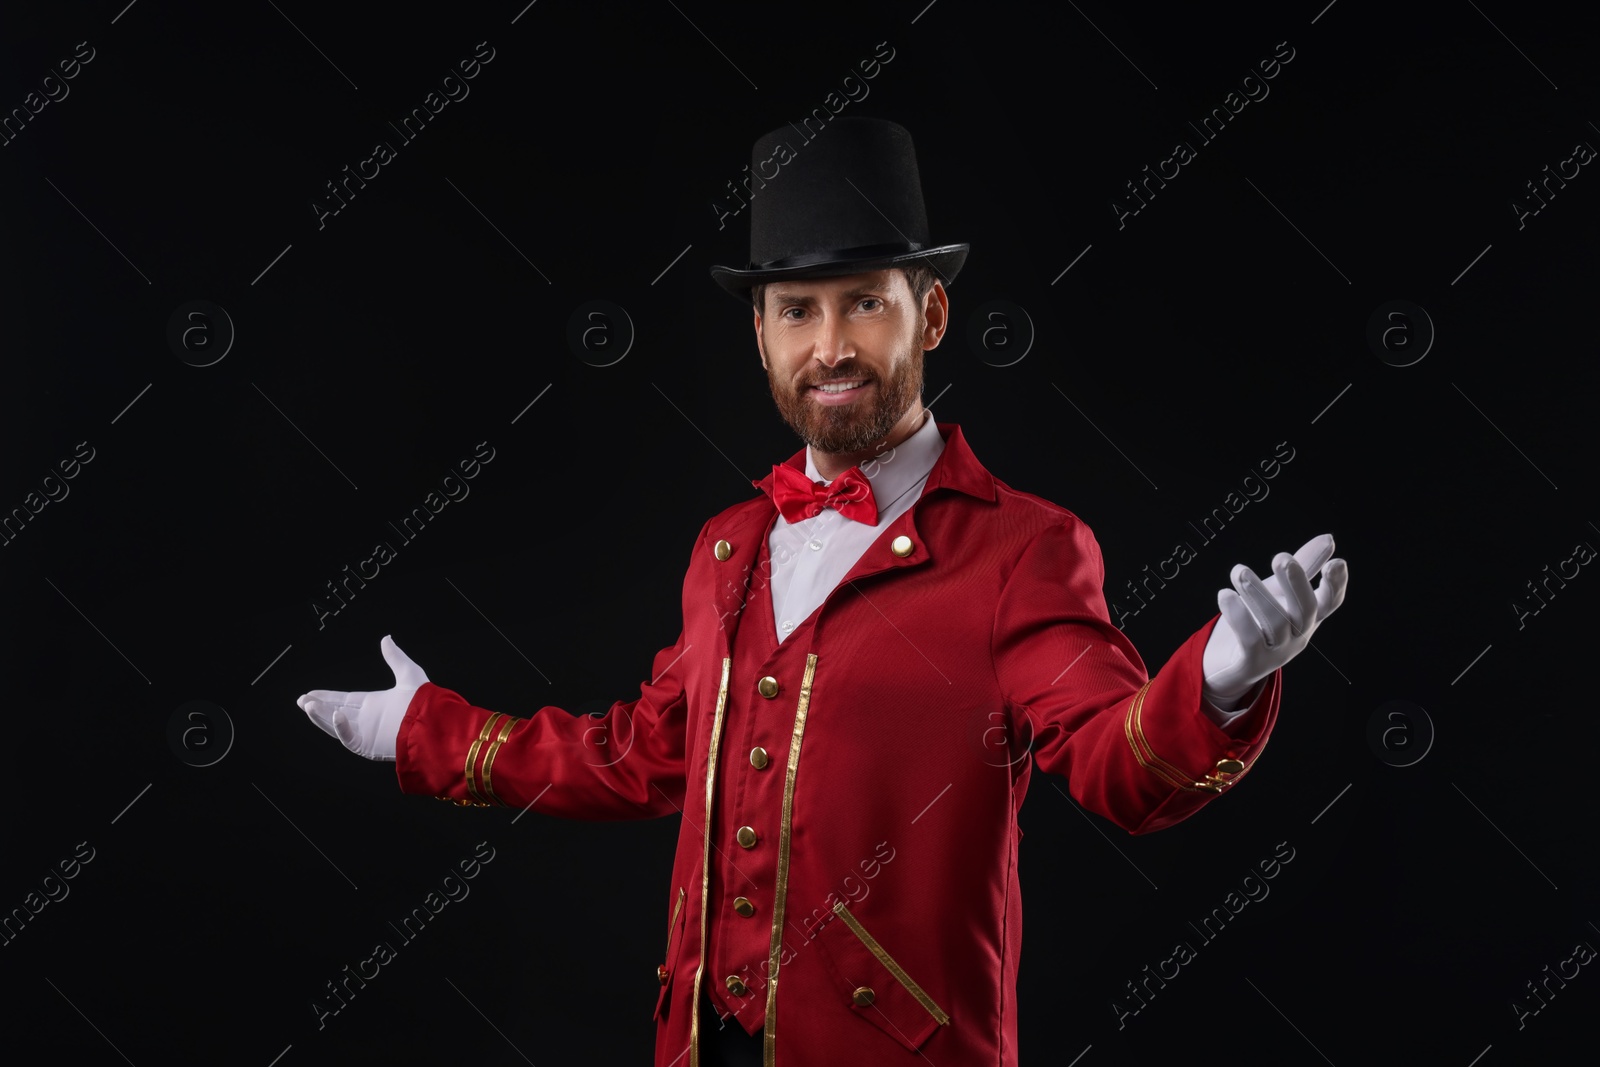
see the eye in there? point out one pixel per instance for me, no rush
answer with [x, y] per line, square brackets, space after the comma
[872, 300]
[784, 314]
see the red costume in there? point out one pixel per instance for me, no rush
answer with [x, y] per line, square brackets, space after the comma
[846, 869]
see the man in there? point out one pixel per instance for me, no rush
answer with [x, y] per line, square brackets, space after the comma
[874, 652]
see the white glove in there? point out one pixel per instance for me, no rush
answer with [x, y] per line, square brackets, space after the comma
[368, 723]
[1265, 624]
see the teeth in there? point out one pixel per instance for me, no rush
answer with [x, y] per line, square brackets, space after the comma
[836, 387]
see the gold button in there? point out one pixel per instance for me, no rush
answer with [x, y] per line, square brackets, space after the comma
[863, 996]
[767, 687]
[743, 906]
[758, 757]
[722, 550]
[746, 837]
[1229, 766]
[735, 985]
[661, 973]
[900, 546]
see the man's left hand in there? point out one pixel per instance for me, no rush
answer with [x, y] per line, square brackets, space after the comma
[1265, 624]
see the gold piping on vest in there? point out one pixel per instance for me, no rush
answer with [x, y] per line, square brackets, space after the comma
[769, 1040]
[888, 961]
[705, 864]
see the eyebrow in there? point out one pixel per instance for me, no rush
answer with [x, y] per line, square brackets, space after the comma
[850, 294]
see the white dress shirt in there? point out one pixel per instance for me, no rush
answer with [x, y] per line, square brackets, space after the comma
[810, 557]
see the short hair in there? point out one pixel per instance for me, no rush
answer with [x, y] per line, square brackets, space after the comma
[920, 276]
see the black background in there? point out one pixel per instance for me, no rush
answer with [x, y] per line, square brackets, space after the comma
[1227, 316]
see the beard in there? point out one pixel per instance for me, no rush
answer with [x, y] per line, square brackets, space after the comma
[855, 427]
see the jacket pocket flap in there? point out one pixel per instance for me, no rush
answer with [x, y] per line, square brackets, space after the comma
[874, 985]
[674, 946]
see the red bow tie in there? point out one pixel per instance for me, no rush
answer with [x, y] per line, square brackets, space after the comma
[798, 497]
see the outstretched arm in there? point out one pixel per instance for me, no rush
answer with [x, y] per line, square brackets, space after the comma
[1140, 749]
[625, 764]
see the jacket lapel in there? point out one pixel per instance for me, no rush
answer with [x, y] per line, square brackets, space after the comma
[899, 545]
[733, 588]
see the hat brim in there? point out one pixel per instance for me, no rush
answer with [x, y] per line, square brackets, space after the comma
[946, 261]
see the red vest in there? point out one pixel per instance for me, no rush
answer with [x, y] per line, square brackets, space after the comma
[757, 734]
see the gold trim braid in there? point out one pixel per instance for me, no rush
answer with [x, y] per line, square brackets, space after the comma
[705, 864]
[769, 1040]
[1133, 728]
[494, 750]
[672, 923]
[888, 961]
[472, 754]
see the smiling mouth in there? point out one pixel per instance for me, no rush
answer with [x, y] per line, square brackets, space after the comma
[838, 387]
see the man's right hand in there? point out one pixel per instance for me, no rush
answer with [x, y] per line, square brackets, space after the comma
[368, 723]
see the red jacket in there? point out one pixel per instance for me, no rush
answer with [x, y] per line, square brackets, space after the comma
[850, 796]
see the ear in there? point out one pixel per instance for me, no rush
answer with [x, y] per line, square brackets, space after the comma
[760, 343]
[936, 316]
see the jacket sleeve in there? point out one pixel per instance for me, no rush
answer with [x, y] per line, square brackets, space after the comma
[1136, 749]
[625, 764]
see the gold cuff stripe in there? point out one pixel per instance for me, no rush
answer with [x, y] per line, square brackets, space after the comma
[769, 1041]
[888, 961]
[472, 754]
[494, 750]
[705, 864]
[1133, 728]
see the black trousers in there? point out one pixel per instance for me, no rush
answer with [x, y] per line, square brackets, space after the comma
[725, 1044]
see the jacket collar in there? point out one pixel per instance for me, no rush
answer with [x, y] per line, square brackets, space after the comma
[748, 526]
[957, 468]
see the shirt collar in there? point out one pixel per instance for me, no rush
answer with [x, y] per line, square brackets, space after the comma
[937, 450]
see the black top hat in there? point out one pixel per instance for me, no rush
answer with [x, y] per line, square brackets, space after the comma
[843, 200]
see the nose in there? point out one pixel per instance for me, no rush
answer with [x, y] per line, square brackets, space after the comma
[833, 341]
